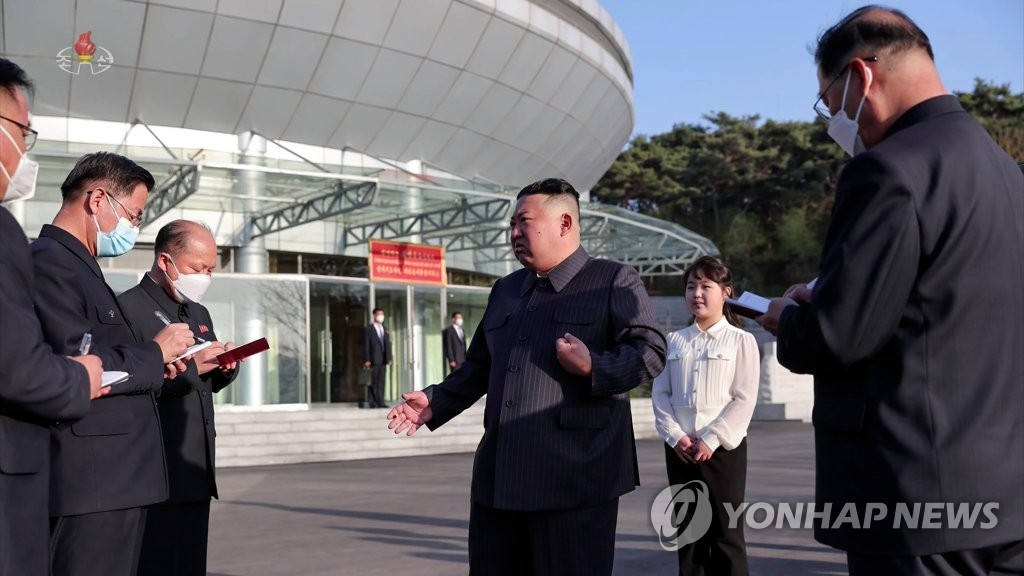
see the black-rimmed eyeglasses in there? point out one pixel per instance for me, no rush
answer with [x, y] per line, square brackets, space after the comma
[26, 131]
[821, 105]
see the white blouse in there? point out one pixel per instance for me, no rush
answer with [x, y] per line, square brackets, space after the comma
[709, 385]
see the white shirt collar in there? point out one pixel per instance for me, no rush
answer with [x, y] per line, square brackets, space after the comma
[715, 329]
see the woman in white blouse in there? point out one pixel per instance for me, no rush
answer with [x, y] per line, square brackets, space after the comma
[703, 402]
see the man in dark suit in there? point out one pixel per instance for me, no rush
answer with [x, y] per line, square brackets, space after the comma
[107, 466]
[564, 341]
[915, 327]
[454, 342]
[376, 358]
[36, 386]
[177, 530]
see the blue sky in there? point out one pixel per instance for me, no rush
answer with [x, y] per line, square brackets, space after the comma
[692, 57]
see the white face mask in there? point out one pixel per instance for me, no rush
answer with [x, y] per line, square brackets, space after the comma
[22, 184]
[458, 322]
[845, 131]
[191, 286]
[379, 319]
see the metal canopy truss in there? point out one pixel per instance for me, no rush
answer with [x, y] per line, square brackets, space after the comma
[462, 215]
[475, 239]
[182, 183]
[652, 246]
[466, 216]
[344, 197]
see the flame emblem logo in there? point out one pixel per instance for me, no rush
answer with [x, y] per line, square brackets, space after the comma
[85, 55]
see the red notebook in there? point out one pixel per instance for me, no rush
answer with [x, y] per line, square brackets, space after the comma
[243, 351]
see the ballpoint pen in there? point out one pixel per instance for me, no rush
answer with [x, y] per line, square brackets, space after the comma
[86, 344]
[167, 321]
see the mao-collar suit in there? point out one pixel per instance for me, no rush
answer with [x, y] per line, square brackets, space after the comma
[915, 335]
[554, 442]
[176, 534]
[112, 459]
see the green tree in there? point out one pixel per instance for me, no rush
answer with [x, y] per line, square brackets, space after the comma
[762, 191]
[1000, 111]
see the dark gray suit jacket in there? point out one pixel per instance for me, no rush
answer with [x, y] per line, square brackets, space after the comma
[375, 352]
[553, 440]
[37, 388]
[454, 347]
[113, 458]
[915, 334]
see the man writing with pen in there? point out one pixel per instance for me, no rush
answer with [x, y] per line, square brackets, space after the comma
[37, 386]
[107, 466]
[185, 255]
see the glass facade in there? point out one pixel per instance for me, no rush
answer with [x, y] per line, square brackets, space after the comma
[315, 324]
[338, 312]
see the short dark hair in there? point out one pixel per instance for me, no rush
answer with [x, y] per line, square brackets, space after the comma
[375, 310]
[715, 270]
[122, 173]
[456, 313]
[12, 78]
[173, 237]
[551, 187]
[890, 32]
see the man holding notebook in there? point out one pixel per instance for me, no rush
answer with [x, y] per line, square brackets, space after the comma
[176, 531]
[915, 329]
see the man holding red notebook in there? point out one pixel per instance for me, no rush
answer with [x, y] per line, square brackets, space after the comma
[177, 530]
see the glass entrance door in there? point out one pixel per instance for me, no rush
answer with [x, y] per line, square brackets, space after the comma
[338, 313]
[428, 350]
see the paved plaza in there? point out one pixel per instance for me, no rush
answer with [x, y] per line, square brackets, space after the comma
[409, 516]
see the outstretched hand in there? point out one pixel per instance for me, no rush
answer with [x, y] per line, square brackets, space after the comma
[411, 414]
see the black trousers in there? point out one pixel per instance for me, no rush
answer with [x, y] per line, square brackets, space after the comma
[106, 543]
[721, 551]
[576, 542]
[175, 540]
[998, 560]
[375, 391]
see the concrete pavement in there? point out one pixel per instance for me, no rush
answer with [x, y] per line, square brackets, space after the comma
[409, 516]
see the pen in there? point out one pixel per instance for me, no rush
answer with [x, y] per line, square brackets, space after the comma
[86, 344]
[167, 321]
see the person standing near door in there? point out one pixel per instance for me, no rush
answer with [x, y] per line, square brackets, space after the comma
[376, 357]
[454, 343]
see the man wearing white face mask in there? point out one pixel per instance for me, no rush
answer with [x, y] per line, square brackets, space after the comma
[376, 358]
[20, 183]
[915, 326]
[109, 465]
[36, 385]
[176, 532]
[454, 342]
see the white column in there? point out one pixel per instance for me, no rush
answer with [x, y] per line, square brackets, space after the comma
[252, 258]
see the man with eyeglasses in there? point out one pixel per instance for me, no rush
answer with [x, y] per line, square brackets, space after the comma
[108, 466]
[914, 330]
[36, 385]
